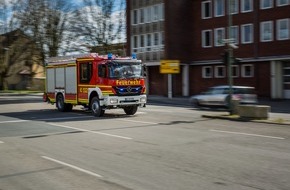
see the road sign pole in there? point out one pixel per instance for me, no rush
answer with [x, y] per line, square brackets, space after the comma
[170, 86]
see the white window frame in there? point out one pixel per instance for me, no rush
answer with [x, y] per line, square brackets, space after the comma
[234, 34]
[244, 74]
[280, 4]
[204, 73]
[235, 67]
[266, 7]
[243, 4]
[204, 39]
[264, 29]
[216, 3]
[279, 29]
[203, 9]
[243, 27]
[218, 41]
[217, 69]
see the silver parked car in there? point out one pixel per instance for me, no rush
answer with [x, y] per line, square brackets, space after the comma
[219, 96]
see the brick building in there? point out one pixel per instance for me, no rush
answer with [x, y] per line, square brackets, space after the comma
[194, 32]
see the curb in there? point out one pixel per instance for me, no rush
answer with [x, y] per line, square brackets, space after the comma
[237, 118]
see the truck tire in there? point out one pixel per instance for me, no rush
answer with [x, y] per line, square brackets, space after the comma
[130, 110]
[60, 103]
[97, 110]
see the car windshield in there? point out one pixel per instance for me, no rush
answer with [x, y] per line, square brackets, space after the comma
[121, 70]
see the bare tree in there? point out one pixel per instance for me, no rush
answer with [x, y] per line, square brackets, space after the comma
[43, 20]
[100, 22]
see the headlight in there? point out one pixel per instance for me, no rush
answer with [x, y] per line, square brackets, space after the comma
[143, 100]
[113, 101]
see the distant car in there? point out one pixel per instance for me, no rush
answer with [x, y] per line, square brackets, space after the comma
[219, 96]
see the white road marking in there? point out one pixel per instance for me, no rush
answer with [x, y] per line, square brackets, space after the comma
[1, 142]
[64, 118]
[85, 130]
[134, 121]
[14, 121]
[248, 134]
[72, 166]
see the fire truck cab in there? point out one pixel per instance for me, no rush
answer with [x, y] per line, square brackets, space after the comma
[95, 82]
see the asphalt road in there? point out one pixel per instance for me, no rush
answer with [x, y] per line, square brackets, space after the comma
[160, 148]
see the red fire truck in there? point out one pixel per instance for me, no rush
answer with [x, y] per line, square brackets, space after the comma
[95, 82]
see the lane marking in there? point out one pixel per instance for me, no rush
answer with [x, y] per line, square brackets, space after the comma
[1, 142]
[134, 121]
[14, 121]
[72, 166]
[247, 134]
[89, 131]
[64, 118]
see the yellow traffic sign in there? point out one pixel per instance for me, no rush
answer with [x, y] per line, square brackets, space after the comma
[169, 66]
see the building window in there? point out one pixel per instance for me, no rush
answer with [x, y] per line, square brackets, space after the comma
[135, 17]
[156, 39]
[283, 29]
[148, 15]
[282, 2]
[246, 5]
[266, 4]
[149, 42]
[207, 38]
[206, 9]
[247, 33]
[219, 8]
[142, 16]
[207, 72]
[235, 71]
[155, 13]
[134, 43]
[247, 70]
[234, 9]
[266, 31]
[219, 71]
[219, 36]
[234, 34]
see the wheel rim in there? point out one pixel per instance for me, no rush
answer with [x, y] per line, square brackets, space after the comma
[95, 107]
[60, 102]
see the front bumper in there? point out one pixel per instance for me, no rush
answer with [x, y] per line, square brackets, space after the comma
[124, 100]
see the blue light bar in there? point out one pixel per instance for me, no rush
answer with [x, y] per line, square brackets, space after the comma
[110, 55]
[134, 56]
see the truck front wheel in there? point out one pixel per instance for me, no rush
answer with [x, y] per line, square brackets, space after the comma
[97, 110]
[130, 110]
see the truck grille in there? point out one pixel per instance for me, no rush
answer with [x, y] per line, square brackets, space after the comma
[128, 90]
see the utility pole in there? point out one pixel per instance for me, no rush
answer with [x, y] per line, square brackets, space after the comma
[230, 55]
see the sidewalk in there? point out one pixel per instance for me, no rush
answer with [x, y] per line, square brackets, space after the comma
[279, 109]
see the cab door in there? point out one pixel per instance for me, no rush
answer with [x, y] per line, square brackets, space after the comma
[85, 75]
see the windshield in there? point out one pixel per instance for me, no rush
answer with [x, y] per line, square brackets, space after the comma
[120, 70]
